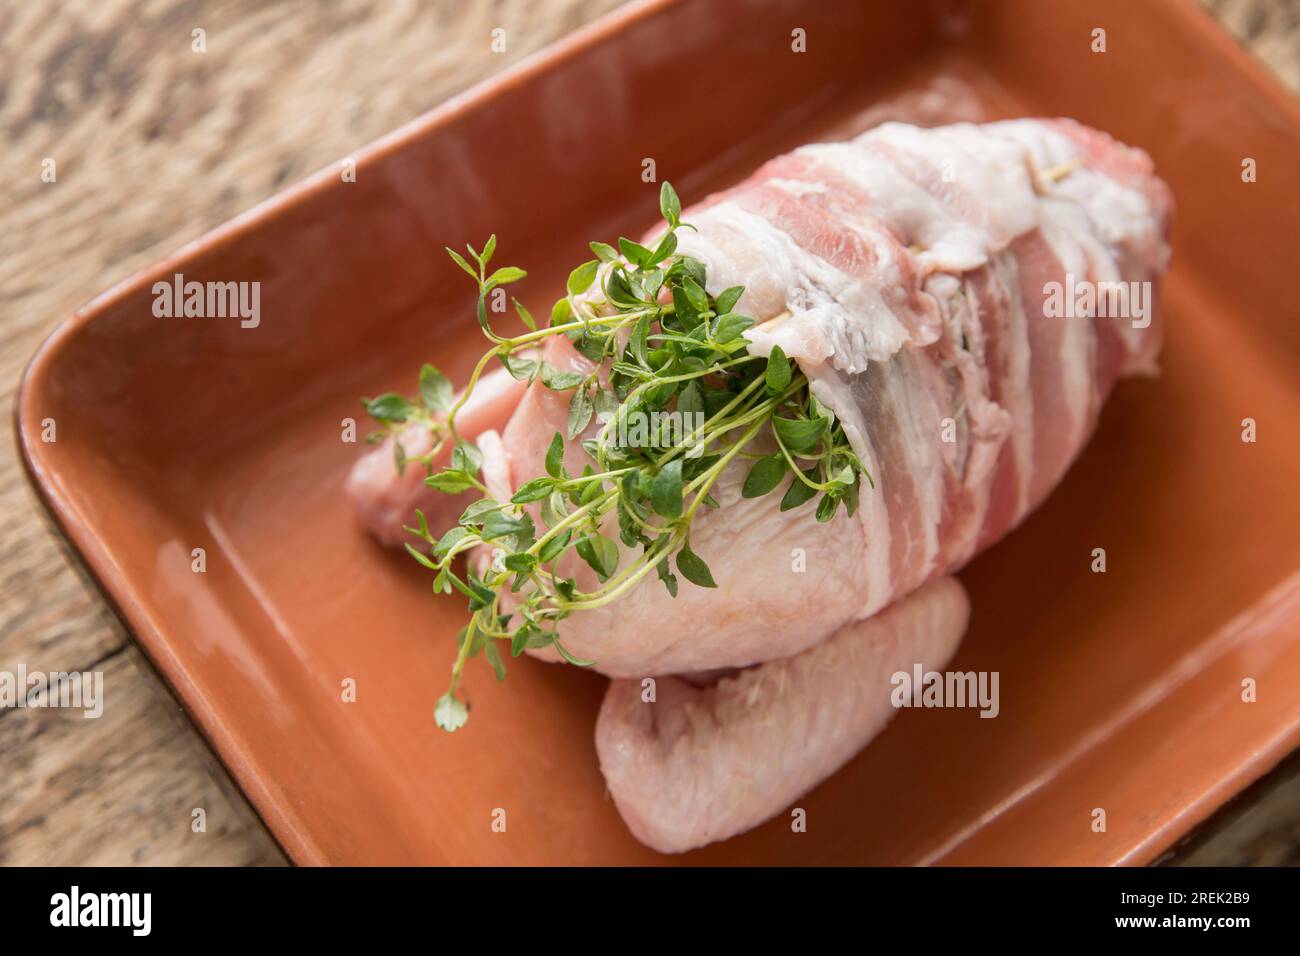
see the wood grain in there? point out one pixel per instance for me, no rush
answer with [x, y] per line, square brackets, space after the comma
[123, 788]
[154, 144]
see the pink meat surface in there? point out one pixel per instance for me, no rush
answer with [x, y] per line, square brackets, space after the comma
[909, 273]
[385, 499]
[905, 272]
[699, 764]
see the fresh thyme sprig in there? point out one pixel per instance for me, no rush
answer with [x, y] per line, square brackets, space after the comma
[658, 343]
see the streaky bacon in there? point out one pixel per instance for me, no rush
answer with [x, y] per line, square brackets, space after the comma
[907, 271]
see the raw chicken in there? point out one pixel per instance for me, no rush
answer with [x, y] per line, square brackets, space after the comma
[386, 500]
[701, 764]
[914, 305]
[908, 272]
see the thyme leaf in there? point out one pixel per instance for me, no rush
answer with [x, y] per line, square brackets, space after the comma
[677, 399]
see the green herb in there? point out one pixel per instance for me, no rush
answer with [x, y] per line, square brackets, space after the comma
[661, 344]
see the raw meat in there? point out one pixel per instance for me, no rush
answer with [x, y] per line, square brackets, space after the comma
[913, 301]
[910, 273]
[386, 500]
[701, 764]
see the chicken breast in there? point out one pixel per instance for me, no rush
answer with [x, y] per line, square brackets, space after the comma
[910, 272]
[386, 499]
[925, 282]
[699, 764]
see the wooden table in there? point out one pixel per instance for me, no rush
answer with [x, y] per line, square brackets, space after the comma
[153, 144]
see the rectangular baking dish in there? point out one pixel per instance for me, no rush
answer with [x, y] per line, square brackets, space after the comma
[1120, 691]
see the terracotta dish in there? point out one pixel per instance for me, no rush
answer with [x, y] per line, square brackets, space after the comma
[1120, 690]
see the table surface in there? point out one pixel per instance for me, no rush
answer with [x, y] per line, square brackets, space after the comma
[153, 145]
